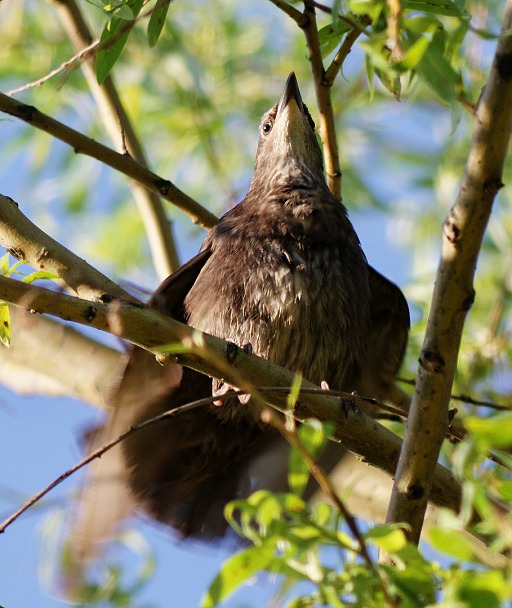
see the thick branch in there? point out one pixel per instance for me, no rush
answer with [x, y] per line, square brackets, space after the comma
[46, 357]
[463, 232]
[121, 162]
[25, 241]
[150, 330]
[323, 100]
[121, 132]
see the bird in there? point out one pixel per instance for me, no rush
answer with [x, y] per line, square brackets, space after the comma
[284, 272]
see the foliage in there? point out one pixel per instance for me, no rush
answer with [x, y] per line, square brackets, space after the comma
[194, 76]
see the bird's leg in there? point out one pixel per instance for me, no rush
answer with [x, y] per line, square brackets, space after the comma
[220, 388]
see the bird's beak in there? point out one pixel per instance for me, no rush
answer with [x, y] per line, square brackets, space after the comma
[291, 91]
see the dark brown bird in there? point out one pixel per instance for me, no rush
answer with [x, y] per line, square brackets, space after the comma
[284, 272]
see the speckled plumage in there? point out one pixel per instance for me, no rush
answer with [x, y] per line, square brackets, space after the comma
[283, 271]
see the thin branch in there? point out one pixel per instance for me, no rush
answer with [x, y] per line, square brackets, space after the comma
[25, 241]
[463, 232]
[66, 66]
[466, 398]
[323, 99]
[120, 129]
[97, 454]
[393, 29]
[291, 11]
[343, 52]
[150, 330]
[121, 162]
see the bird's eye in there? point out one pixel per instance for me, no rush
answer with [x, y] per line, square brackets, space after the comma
[267, 127]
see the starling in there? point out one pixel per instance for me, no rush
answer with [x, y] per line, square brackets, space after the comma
[284, 272]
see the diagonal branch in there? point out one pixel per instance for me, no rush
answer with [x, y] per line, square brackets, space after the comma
[121, 162]
[25, 241]
[463, 231]
[307, 22]
[147, 328]
[120, 129]
[323, 100]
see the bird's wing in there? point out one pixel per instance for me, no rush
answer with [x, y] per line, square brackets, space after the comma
[388, 336]
[168, 298]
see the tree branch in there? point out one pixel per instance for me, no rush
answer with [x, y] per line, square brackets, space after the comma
[323, 100]
[337, 63]
[25, 241]
[46, 357]
[121, 162]
[463, 231]
[120, 129]
[150, 330]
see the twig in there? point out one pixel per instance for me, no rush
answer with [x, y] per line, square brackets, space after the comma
[120, 129]
[323, 99]
[291, 11]
[337, 63]
[147, 328]
[25, 241]
[463, 232]
[393, 29]
[466, 398]
[123, 163]
[98, 453]
[70, 64]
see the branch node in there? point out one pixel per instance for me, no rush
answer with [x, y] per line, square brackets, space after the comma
[492, 186]
[451, 229]
[504, 65]
[432, 362]
[42, 255]
[415, 492]
[16, 252]
[469, 300]
[232, 351]
[91, 313]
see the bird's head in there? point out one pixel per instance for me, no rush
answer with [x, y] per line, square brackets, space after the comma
[288, 151]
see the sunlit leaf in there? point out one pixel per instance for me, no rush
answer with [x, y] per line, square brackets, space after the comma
[112, 41]
[236, 570]
[388, 538]
[330, 36]
[494, 431]
[39, 274]
[452, 542]
[313, 437]
[436, 7]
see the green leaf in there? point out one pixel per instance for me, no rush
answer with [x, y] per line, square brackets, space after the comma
[157, 20]
[40, 274]
[4, 265]
[112, 41]
[331, 35]
[5, 325]
[390, 81]
[495, 431]
[437, 71]
[452, 542]
[435, 7]
[388, 538]
[293, 395]
[313, 437]
[236, 570]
